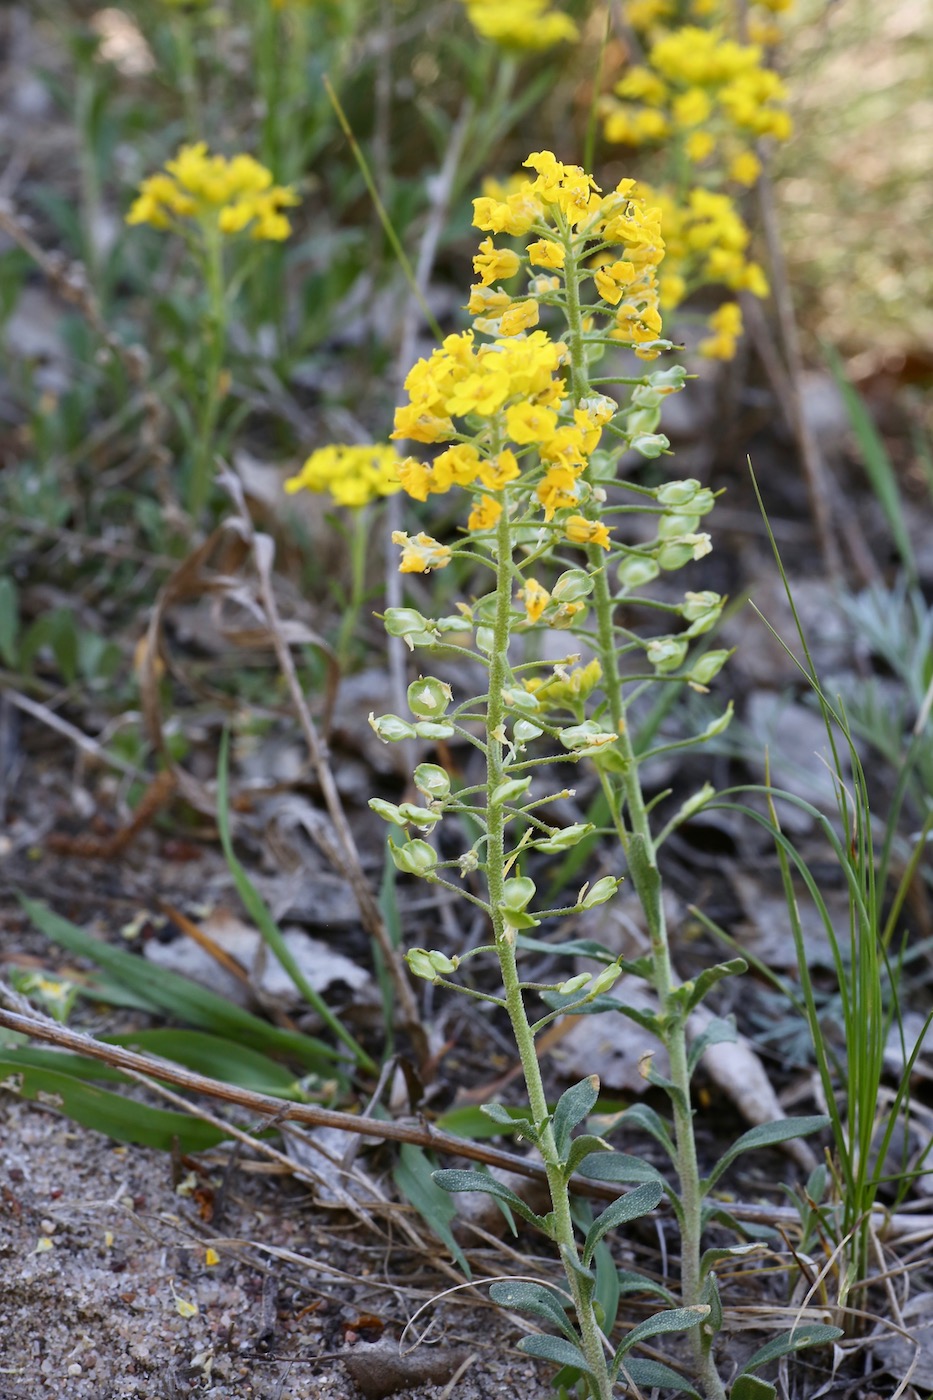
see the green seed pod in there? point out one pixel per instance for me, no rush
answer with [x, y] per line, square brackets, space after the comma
[410, 624]
[572, 585]
[428, 729]
[414, 858]
[508, 790]
[677, 494]
[419, 962]
[636, 570]
[418, 816]
[518, 893]
[650, 445]
[523, 731]
[573, 984]
[706, 667]
[432, 780]
[388, 811]
[673, 525]
[586, 737]
[605, 979]
[428, 697]
[566, 838]
[666, 653]
[391, 729]
[600, 893]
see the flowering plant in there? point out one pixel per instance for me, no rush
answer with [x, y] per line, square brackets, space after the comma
[524, 428]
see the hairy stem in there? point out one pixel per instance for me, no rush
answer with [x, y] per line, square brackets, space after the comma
[563, 1229]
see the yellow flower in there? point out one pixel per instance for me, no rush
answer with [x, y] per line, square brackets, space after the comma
[536, 598]
[421, 553]
[726, 323]
[745, 168]
[527, 423]
[520, 24]
[557, 490]
[485, 513]
[579, 530]
[520, 316]
[233, 194]
[699, 146]
[353, 476]
[492, 264]
[611, 280]
[546, 253]
[499, 471]
[567, 688]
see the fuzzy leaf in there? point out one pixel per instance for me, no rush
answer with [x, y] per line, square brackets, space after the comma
[554, 1349]
[453, 1181]
[534, 1298]
[647, 1374]
[631, 1206]
[617, 1166]
[766, 1135]
[413, 1177]
[810, 1334]
[675, 1320]
[751, 1388]
[572, 1107]
[708, 979]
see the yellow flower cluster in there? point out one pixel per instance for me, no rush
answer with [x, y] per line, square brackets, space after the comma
[706, 242]
[503, 406]
[726, 325]
[649, 18]
[520, 24]
[704, 91]
[232, 195]
[352, 476]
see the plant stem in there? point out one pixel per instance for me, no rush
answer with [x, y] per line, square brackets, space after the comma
[215, 326]
[563, 1229]
[635, 834]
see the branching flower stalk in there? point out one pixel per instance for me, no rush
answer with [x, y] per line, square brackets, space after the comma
[520, 422]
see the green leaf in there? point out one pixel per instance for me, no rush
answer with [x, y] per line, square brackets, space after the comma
[217, 1058]
[116, 1115]
[472, 1122]
[572, 1107]
[641, 1116]
[647, 1374]
[735, 1251]
[766, 1135]
[809, 1334]
[453, 1181]
[506, 1118]
[708, 979]
[9, 621]
[721, 1030]
[554, 1349]
[631, 1282]
[534, 1298]
[179, 996]
[582, 1147]
[618, 1166]
[631, 1206]
[414, 1177]
[751, 1388]
[607, 1291]
[673, 1320]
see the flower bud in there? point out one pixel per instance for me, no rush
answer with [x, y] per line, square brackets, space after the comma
[600, 893]
[565, 839]
[414, 858]
[432, 780]
[605, 979]
[428, 697]
[391, 729]
[573, 984]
